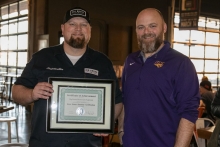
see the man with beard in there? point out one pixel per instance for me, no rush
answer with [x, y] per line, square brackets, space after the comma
[73, 58]
[160, 90]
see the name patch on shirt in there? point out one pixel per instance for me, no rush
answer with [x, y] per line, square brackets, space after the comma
[51, 68]
[91, 71]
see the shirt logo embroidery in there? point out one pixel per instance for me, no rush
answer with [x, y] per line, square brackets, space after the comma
[50, 68]
[159, 64]
[132, 63]
[91, 71]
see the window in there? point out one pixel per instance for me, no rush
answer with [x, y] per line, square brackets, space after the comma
[202, 46]
[14, 37]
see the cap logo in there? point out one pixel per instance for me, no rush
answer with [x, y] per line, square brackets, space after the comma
[77, 12]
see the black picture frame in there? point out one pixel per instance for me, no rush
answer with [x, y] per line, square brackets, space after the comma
[81, 105]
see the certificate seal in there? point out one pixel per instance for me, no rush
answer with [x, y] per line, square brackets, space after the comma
[80, 111]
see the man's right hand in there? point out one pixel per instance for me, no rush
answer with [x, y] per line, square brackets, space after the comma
[42, 90]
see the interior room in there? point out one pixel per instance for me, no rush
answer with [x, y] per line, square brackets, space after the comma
[27, 26]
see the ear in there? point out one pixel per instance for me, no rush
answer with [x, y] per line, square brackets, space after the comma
[164, 27]
[62, 27]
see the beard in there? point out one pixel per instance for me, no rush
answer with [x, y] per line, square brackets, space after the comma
[152, 45]
[77, 43]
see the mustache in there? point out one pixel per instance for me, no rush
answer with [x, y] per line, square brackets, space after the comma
[149, 35]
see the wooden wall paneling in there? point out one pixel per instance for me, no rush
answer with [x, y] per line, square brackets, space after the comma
[134, 40]
[56, 12]
[37, 24]
[119, 43]
[32, 41]
[6, 2]
[98, 39]
[41, 23]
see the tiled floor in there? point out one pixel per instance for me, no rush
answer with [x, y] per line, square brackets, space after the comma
[24, 122]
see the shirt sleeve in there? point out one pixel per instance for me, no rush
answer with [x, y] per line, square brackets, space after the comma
[27, 77]
[187, 91]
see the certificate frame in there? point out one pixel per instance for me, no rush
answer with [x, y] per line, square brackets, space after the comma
[81, 105]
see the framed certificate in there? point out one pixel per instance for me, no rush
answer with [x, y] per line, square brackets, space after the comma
[81, 106]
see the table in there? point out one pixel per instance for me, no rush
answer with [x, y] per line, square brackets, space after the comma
[6, 108]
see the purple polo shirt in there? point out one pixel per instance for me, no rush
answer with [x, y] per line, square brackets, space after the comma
[157, 93]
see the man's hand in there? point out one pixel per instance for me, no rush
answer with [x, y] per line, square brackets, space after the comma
[101, 135]
[42, 90]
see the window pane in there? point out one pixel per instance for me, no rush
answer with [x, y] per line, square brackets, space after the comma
[13, 10]
[199, 65]
[184, 49]
[4, 28]
[211, 66]
[22, 41]
[211, 52]
[13, 26]
[12, 71]
[12, 42]
[3, 58]
[12, 59]
[4, 43]
[176, 19]
[197, 51]
[22, 59]
[181, 36]
[197, 36]
[61, 40]
[14, 35]
[200, 77]
[201, 22]
[19, 71]
[23, 6]
[212, 38]
[212, 23]
[203, 45]
[23, 25]
[3, 69]
[4, 12]
[219, 68]
[212, 79]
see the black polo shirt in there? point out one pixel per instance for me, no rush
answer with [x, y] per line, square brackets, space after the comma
[53, 62]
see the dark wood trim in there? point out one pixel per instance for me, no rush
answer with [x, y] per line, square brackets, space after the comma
[6, 2]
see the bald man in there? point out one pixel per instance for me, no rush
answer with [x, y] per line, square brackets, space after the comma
[160, 90]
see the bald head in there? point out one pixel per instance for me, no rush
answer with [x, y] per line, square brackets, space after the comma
[150, 13]
[150, 29]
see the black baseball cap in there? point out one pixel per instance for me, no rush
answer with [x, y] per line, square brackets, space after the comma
[76, 12]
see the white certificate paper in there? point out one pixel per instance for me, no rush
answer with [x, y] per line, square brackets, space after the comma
[77, 104]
